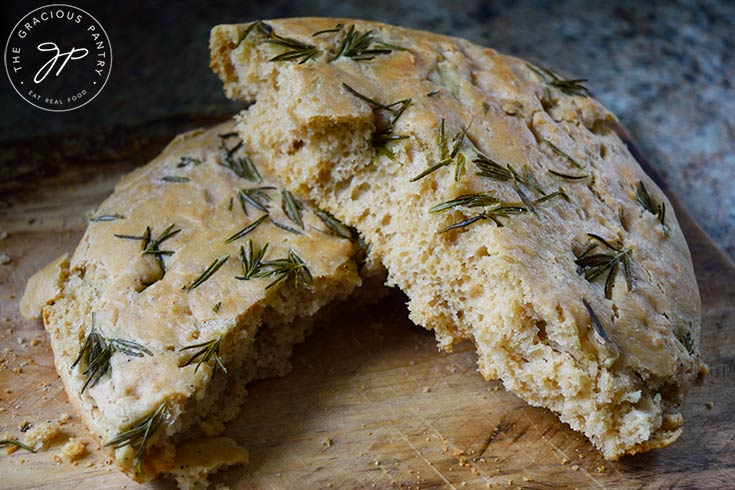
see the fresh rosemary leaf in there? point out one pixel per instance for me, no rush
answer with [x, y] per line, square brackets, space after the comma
[596, 323]
[291, 267]
[593, 266]
[187, 160]
[138, 435]
[97, 351]
[255, 197]
[292, 207]
[546, 197]
[175, 178]
[431, 170]
[432, 93]
[208, 272]
[129, 348]
[361, 46]
[493, 213]
[447, 156]
[562, 154]
[248, 30]
[568, 87]
[242, 166]
[207, 350]
[491, 169]
[107, 217]
[17, 443]
[466, 200]
[384, 133]
[336, 28]
[294, 49]
[687, 340]
[567, 176]
[252, 260]
[372, 102]
[285, 227]
[247, 229]
[336, 226]
[217, 306]
[645, 200]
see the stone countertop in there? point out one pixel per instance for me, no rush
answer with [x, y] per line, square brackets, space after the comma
[666, 68]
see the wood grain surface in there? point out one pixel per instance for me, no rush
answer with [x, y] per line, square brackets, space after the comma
[370, 403]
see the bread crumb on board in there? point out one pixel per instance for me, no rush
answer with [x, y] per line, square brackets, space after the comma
[39, 436]
[73, 450]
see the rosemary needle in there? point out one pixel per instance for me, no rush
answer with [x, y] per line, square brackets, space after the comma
[138, 435]
[208, 350]
[107, 217]
[15, 442]
[292, 207]
[247, 229]
[208, 272]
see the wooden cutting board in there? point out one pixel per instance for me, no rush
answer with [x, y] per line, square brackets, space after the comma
[371, 403]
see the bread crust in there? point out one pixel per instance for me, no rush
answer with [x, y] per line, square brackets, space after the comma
[612, 357]
[112, 285]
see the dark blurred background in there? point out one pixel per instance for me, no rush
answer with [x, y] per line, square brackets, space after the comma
[666, 68]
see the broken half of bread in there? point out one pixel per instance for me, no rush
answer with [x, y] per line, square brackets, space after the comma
[198, 275]
[499, 198]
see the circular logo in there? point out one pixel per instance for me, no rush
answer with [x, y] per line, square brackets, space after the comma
[58, 57]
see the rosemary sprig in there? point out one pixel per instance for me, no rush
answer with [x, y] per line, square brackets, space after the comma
[292, 207]
[208, 272]
[151, 246]
[208, 350]
[285, 227]
[493, 214]
[361, 46]
[495, 209]
[247, 229]
[686, 339]
[252, 260]
[562, 154]
[17, 443]
[567, 86]
[97, 351]
[242, 166]
[645, 200]
[447, 156]
[107, 217]
[295, 49]
[491, 169]
[336, 226]
[291, 267]
[138, 435]
[188, 160]
[593, 266]
[255, 197]
[384, 133]
[466, 200]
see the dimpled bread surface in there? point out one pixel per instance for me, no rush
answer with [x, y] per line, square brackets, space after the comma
[125, 294]
[575, 286]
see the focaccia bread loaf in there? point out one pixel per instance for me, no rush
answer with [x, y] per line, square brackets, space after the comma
[499, 198]
[198, 275]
